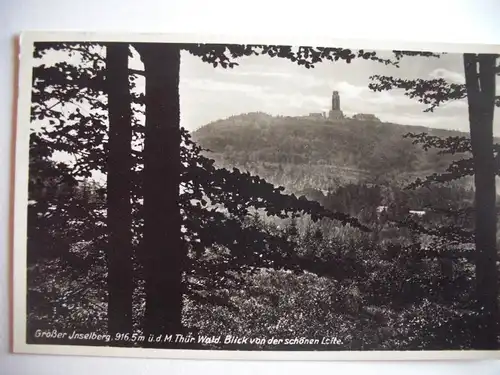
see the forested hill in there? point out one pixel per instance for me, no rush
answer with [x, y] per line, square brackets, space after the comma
[303, 152]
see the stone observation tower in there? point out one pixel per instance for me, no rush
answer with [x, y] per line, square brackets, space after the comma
[335, 101]
[335, 112]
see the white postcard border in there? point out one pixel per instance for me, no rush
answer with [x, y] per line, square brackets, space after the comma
[20, 197]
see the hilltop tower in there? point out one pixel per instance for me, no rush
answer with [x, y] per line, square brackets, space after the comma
[335, 101]
[336, 113]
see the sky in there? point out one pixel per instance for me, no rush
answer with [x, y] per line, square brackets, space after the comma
[280, 87]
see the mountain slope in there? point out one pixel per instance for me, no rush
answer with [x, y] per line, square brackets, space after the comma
[303, 152]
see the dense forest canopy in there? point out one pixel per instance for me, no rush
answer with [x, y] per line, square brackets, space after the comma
[304, 153]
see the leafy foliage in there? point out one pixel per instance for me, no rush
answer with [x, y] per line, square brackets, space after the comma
[225, 55]
[450, 145]
[216, 203]
[432, 92]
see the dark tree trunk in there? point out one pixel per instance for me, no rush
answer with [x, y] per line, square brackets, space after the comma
[480, 84]
[119, 164]
[162, 250]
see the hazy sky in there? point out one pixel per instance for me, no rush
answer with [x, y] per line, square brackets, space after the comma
[278, 86]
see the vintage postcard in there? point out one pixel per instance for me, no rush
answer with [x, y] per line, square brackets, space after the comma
[186, 196]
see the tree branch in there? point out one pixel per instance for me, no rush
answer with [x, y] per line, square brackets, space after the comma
[400, 54]
[433, 92]
[225, 55]
[136, 72]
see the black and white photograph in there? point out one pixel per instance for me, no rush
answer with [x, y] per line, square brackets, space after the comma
[259, 200]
